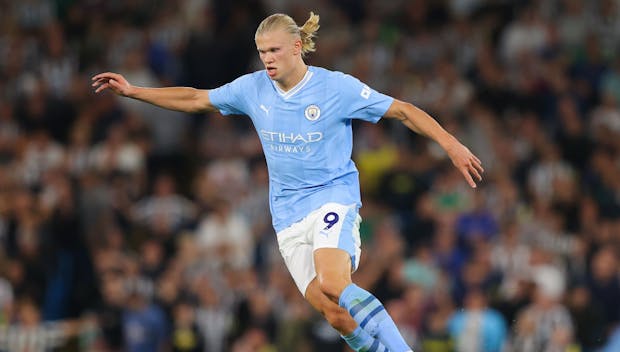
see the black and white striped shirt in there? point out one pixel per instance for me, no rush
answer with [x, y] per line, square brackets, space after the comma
[41, 338]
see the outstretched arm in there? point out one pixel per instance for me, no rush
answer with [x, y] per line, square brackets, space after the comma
[184, 99]
[420, 122]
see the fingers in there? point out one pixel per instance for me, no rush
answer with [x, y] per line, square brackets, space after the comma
[114, 84]
[467, 163]
[102, 87]
[99, 82]
[107, 80]
[106, 76]
[473, 169]
[101, 76]
[114, 81]
[104, 84]
[478, 166]
[478, 161]
[468, 178]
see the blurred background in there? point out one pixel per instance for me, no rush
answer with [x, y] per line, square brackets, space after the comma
[124, 227]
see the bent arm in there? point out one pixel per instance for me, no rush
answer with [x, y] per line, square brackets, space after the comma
[422, 123]
[419, 121]
[184, 99]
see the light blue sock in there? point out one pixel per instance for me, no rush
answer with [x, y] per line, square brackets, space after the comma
[359, 340]
[369, 313]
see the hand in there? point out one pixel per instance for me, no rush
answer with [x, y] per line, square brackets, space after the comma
[115, 82]
[466, 162]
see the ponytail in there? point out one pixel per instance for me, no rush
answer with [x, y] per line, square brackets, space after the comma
[307, 32]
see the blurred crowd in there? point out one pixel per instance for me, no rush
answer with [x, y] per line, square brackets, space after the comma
[124, 227]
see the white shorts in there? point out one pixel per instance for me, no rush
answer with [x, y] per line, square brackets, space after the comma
[331, 226]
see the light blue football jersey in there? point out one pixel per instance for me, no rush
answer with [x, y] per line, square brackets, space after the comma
[306, 135]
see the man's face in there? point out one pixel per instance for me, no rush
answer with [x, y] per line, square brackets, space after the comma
[279, 51]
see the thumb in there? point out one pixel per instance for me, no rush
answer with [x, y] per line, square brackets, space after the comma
[117, 87]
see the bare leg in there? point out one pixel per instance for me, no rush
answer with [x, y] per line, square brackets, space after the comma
[333, 267]
[335, 315]
[323, 291]
[333, 270]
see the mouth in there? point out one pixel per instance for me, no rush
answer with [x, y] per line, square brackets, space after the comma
[271, 71]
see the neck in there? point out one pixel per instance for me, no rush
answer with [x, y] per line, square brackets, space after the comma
[292, 79]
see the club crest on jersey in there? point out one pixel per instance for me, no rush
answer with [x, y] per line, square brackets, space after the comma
[312, 112]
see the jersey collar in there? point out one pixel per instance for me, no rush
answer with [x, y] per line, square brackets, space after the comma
[289, 93]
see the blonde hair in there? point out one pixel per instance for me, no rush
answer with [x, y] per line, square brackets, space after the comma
[306, 33]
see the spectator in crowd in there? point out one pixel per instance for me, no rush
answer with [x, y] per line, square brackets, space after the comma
[604, 283]
[588, 317]
[164, 212]
[477, 327]
[544, 325]
[186, 336]
[144, 324]
[31, 333]
[225, 237]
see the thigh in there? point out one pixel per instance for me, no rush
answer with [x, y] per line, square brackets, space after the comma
[333, 268]
[332, 226]
[296, 250]
[337, 226]
[300, 264]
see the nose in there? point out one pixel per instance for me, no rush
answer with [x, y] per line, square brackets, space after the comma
[267, 58]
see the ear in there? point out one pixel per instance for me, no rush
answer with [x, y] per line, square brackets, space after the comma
[297, 47]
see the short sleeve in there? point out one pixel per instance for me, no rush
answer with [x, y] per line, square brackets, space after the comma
[360, 101]
[229, 98]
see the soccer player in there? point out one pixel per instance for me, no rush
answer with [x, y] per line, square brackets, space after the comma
[303, 117]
